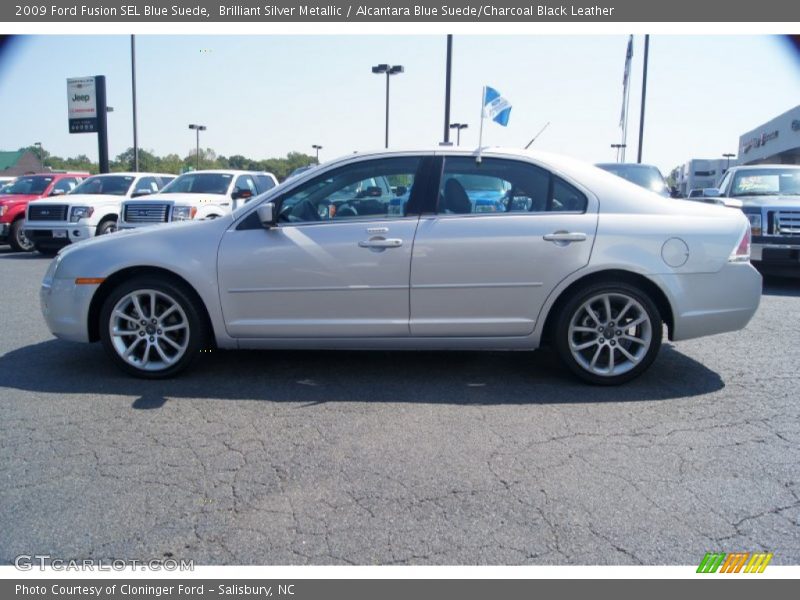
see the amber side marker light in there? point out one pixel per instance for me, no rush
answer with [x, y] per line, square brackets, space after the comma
[89, 280]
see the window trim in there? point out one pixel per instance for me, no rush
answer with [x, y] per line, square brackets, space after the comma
[550, 188]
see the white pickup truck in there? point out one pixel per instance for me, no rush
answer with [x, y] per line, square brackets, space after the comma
[91, 209]
[196, 195]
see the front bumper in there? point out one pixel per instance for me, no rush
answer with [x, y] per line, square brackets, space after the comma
[5, 228]
[776, 253]
[710, 303]
[65, 307]
[57, 235]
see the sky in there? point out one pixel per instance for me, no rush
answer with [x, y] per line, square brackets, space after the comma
[265, 96]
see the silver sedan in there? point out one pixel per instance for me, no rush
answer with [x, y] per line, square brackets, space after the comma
[436, 249]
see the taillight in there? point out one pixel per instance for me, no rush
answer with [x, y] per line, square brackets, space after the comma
[742, 252]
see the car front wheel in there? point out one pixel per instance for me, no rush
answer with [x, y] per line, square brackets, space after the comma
[609, 333]
[152, 327]
[18, 241]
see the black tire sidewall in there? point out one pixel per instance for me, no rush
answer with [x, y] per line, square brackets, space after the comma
[197, 329]
[568, 310]
[15, 229]
[103, 227]
[45, 250]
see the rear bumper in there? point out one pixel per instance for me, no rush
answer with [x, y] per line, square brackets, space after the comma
[710, 303]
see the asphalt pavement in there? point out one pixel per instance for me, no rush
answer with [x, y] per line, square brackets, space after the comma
[277, 457]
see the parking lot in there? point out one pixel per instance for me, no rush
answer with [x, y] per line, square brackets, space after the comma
[398, 458]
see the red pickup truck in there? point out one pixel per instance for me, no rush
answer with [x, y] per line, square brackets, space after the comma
[15, 199]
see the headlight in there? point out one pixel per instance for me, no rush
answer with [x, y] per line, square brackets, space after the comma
[80, 212]
[183, 213]
[755, 222]
[3, 210]
[51, 271]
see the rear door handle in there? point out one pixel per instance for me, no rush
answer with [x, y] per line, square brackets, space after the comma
[381, 243]
[565, 237]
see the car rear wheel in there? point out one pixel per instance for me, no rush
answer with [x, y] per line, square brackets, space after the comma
[609, 333]
[18, 240]
[152, 327]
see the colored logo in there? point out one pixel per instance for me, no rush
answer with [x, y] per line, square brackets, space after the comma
[735, 562]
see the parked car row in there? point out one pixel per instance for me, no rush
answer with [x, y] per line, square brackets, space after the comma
[49, 211]
[397, 250]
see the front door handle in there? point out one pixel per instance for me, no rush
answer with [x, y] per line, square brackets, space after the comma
[381, 243]
[564, 237]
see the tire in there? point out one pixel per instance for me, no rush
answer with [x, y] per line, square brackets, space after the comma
[107, 226]
[153, 350]
[17, 239]
[46, 250]
[594, 347]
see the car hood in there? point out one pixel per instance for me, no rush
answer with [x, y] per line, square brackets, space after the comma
[181, 198]
[759, 201]
[84, 199]
[9, 199]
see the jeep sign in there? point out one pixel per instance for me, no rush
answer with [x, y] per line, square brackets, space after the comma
[82, 105]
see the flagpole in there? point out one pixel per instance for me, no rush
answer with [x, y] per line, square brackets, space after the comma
[480, 133]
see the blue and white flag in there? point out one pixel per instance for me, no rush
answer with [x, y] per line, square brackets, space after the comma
[496, 107]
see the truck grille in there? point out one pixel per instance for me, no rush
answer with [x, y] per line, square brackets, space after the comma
[145, 213]
[786, 222]
[47, 212]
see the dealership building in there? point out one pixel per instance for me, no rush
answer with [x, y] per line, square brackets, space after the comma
[776, 142]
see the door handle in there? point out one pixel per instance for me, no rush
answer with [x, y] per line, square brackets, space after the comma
[564, 237]
[381, 243]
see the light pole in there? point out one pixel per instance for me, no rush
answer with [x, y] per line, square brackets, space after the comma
[729, 156]
[389, 70]
[38, 146]
[133, 99]
[458, 127]
[317, 147]
[198, 129]
[618, 148]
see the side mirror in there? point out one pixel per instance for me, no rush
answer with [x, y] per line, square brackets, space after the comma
[400, 190]
[266, 214]
[58, 192]
[241, 194]
[139, 193]
[711, 193]
[674, 192]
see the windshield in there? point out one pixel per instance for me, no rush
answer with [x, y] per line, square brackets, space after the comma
[645, 176]
[29, 185]
[766, 182]
[115, 185]
[199, 183]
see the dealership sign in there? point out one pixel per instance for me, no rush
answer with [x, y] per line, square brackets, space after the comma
[82, 105]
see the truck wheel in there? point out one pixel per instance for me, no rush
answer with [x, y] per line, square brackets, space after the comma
[107, 226]
[609, 333]
[152, 327]
[17, 239]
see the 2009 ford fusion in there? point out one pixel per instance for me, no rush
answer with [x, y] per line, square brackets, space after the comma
[571, 256]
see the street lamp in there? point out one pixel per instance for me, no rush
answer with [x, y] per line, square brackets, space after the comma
[389, 70]
[198, 129]
[729, 156]
[317, 147]
[458, 127]
[38, 146]
[618, 147]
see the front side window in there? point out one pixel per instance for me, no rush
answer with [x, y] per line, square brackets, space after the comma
[264, 183]
[115, 185]
[145, 186]
[245, 183]
[370, 189]
[503, 186]
[64, 185]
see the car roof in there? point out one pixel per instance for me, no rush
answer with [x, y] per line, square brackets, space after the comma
[132, 174]
[762, 167]
[227, 172]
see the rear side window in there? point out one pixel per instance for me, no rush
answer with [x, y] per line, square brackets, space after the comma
[504, 186]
